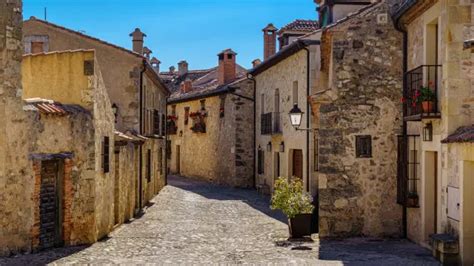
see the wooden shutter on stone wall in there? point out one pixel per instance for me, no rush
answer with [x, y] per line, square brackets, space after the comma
[163, 125]
[156, 122]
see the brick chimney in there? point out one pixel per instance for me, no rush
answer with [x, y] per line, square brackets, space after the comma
[137, 40]
[182, 67]
[256, 62]
[186, 86]
[147, 52]
[155, 63]
[269, 41]
[227, 67]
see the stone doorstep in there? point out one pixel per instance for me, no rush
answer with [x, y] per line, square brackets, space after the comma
[445, 248]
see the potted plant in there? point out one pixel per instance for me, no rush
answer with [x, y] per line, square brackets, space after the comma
[290, 197]
[427, 98]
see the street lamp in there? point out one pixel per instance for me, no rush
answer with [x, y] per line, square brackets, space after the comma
[296, 116]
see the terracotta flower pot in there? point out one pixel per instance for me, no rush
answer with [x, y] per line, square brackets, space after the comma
[427, 106]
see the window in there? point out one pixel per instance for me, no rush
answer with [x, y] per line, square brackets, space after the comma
[203, 104]
[261, 162]
[295, 92]
[37, 47]
[262, 104]
[173, 110]
[156, 122]
[106, 155]
[163, 125]
[89, 67]
[186, 115]
[363, 146]
[148, 165]
[277, 101]
[222, 106]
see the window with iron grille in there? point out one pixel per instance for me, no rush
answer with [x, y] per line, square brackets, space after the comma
[266, 124]
[363, 146]
[106, 155]
[163, 125]
[148, 165]
[156, 122]
[261, 162]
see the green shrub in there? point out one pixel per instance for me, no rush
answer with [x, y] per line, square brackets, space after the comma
[290, 197]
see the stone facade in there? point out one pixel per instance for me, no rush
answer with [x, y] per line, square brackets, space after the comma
[442, 181]
[357, 96]
[140, 100]
[224, 153]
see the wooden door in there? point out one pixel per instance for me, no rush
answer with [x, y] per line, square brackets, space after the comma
[298, 163]
[50, 205]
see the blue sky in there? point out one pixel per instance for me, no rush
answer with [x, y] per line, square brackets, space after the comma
[194, 30]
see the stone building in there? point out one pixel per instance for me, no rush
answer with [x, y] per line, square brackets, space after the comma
[210, 122]
[283, 80]
[356, 121]
[54, 156]
[138, 97]
[436, 160]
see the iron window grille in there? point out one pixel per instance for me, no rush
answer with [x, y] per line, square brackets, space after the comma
[424, 76]
[270, 123]
[106, 155]
[364, 146]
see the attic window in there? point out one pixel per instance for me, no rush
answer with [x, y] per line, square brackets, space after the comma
[89, 67]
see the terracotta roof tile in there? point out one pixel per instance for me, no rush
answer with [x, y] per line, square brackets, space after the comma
[50, 107]
[462, 134]
[301, 25]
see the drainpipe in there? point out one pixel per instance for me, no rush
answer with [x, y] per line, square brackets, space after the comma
[166, 140]
[404, 126]
[140, 171]
[250, 77]
[308, 67]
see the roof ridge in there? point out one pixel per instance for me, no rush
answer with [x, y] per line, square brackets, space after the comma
[32, 18]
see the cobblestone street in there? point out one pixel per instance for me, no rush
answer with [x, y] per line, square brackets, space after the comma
[191, 222]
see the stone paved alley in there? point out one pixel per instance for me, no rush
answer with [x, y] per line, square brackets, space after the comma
[191, 222]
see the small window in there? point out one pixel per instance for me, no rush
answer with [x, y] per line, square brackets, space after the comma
[89, 67]
[156, 122]
[222, 106]
[363, 146]
[186, 115]
[277, 101]
[295, 92]
[106, 155]
[37, 47]
[262, 104]
[261, 162]
[203, 104]
[173, 109]
[163, 125]
[148, 165]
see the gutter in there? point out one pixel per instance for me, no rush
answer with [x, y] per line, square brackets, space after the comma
[398, 14]
[250, 77]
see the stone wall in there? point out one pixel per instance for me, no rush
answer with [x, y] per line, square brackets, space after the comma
[358, 195]
[224, 154]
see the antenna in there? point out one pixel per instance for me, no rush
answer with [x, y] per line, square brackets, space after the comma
[45, 14]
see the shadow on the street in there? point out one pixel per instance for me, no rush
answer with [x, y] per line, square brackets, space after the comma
[41, 257]
[217, 192]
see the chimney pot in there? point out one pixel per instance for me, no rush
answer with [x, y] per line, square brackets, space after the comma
[182, 67]
[172, 69]
[155, 63]
[137, 40]
[269, 41]
[227, 67]
[186, 86]
[256, 62]
[147, 52]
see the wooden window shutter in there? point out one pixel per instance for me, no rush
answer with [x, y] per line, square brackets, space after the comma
[156, 122]
[163, 125]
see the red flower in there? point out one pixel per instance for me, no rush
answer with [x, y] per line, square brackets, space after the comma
[403, 100]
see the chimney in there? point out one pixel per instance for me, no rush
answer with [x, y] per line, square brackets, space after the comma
[172, 69]
[147, 52]
[155, 63]
[227, 66]
[256, 62]
[182, 67]
[186, 86]
[137, 39]
[269, 41]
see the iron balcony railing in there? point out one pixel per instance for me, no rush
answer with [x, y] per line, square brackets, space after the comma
[270, 123]
[421, 93]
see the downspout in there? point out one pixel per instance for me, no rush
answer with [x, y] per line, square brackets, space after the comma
[308, 67]
[404, 125]
[250, 77]
[166, 140]
[140, 171]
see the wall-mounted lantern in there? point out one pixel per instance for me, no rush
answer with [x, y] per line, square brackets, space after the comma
[296, 116]
[282, 146]
[428, 132]
[269, 146]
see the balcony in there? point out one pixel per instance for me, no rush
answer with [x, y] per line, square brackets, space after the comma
[270, 124]
[421, 94]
